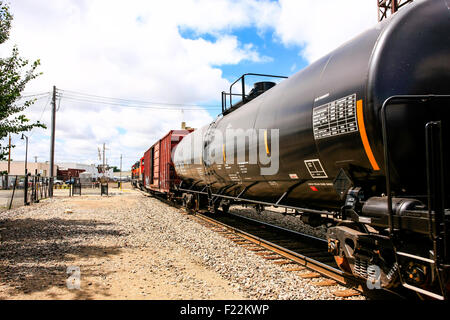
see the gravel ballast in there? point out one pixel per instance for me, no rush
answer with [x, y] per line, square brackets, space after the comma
[278, 216]
[130, 246]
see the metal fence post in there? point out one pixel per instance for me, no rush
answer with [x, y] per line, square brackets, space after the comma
[25, 190]
[12, 196]
[104, 189]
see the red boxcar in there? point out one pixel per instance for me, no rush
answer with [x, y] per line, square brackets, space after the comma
[159, 172]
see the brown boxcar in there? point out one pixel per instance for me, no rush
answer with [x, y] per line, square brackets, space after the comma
[69, 173]
[159, 172]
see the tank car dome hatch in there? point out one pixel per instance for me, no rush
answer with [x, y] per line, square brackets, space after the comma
[261, 87]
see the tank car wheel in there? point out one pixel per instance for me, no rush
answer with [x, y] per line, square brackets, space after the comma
[342, 261]
[259, 208]
[188, 202]
[225, 208]
[215, 207]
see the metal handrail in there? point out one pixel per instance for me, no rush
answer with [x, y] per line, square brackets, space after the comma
[243, 84]
[395, 100]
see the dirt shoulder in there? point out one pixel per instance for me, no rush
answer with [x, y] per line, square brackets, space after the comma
[119, 252]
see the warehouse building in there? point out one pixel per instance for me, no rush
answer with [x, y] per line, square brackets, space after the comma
[18, 168]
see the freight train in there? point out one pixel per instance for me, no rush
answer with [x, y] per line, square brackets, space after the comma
[357, 141]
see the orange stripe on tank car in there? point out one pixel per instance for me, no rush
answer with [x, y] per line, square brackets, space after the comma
[224, 155]
[363, 134]
[266, 142]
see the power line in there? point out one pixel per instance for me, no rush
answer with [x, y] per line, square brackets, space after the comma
[118, 102]
[37, 99]
[112, 105]
[29, 95]
[42, 113]
[134, 100]
[82, 97]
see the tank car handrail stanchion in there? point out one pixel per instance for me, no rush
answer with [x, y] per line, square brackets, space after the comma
[289, 190]
[431, 176]
[436, 195]
[219, 192]
[243, 88]
[223, 101]
[246, 189]
[386, 161]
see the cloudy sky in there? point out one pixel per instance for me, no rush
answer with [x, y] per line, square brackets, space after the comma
[165, 56]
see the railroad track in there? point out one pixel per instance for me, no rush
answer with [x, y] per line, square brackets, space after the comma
[298, 251]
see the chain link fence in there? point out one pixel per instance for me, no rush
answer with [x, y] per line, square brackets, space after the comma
[20, 190]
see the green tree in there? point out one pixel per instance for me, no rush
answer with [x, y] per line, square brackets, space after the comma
[115, 169]
[15, 73]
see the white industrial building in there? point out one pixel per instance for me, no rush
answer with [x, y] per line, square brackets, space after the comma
[89, 168]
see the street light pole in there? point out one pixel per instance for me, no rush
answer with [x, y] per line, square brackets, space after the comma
[9, 155]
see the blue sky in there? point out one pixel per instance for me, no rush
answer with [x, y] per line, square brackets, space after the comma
[284, 60]
[280, 59]
[177, 51]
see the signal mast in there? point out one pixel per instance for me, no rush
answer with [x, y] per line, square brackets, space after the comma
[387, 8]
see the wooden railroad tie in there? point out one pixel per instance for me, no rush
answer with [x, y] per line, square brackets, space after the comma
[256, 249]
[284, 262]
[272, 257]
[241, 242]
[310, 275]
[297, 268]
[232, 238]
[263, 253]
[325, 283]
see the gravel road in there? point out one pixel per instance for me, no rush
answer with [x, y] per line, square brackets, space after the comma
[130, 246]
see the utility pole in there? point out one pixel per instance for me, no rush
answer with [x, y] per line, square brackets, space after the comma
[120, 173]
[104, 168]
[9, 155]
[25, 192]
[52, 142]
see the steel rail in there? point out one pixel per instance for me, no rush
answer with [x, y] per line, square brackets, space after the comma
[326, 270]
[279, 228]
[307, 262]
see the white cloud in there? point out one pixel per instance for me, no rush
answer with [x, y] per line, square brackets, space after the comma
[321, 26]
[134, 49]
[129, 50]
